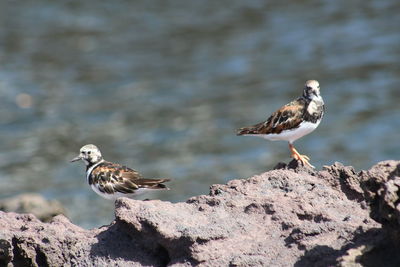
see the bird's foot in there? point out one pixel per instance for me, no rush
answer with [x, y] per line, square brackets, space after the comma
[303, 158]
[299, 157]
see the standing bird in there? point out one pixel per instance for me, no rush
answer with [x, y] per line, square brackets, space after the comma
[111, 180]
[292, 121]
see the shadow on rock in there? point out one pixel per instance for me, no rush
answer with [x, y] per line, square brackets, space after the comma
[354, 253]
[115, 243]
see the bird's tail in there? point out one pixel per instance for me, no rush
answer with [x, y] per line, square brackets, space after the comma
[245, 130]
[155, 183]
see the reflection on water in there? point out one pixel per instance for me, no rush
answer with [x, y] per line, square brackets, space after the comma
[162, 87]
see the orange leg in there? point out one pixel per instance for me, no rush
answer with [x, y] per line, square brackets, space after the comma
[296, 155]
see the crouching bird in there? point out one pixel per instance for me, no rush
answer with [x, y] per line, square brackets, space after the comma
[112, 180]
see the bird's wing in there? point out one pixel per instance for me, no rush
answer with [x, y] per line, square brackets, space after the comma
[287, 117]
[112, 178]
[144, 182]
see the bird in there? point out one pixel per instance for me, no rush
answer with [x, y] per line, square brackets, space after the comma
[292, 121]
[112, 180]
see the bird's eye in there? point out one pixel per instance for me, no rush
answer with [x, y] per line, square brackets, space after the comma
[89, 152]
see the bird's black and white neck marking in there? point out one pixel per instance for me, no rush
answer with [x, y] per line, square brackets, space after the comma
[90, 168]
[111, 180]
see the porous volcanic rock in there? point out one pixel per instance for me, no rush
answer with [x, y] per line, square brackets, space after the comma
[290, 216]
[33, 203]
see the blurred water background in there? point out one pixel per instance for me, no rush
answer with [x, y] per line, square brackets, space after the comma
[161, 86]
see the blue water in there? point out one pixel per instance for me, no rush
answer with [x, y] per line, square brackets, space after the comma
[162, 87]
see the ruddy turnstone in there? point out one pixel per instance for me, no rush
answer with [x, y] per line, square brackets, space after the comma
[292, 121]
[112, 180]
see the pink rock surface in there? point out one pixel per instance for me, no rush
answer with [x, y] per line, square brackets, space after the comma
[290, 216]
[33, 203]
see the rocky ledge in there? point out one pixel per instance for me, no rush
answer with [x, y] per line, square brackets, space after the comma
[290, 216]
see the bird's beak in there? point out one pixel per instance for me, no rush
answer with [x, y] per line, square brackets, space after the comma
[76, 158]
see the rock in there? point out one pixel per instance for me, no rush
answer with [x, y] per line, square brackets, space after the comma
[36, 204]
[348, 182]
[60, 243]
[381, 185]
[290, 216]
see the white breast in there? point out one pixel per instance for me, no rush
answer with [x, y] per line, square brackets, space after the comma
[116, 195]
[291, 135]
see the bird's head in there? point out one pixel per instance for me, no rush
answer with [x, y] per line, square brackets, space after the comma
[89, 154]
[311, 90]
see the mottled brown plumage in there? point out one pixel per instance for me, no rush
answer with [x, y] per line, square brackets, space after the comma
[111, 178]
[287, 117]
